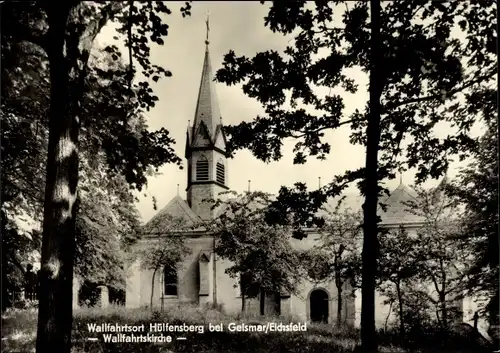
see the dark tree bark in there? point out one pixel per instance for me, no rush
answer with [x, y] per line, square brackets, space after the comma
[58, 245]
[370, 221]
[68, 43]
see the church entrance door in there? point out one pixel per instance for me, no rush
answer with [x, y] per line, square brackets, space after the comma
[318, 301]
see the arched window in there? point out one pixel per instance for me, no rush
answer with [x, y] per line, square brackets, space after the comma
[221, 178]
[170, 280]
[202, 169]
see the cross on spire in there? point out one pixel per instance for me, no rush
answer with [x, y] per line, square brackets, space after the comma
[208, 27]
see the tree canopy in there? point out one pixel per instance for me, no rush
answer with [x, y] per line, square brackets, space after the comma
[437, 84]
[262, 255]
[64, 33]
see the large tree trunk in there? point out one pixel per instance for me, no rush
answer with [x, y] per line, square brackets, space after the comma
[58, 244]
[68, 44]
[370, 231]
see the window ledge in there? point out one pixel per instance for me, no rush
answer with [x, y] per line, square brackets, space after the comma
[170, 297]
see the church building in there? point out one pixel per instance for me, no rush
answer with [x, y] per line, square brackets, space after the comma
[201, 279]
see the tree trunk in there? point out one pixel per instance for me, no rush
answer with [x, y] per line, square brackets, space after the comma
[388, 315]
[153, 288]
[338, 283]
[444, 310]
[58, 244]
[370, 231]
[68, 44]
[402, 332]
[243, 303]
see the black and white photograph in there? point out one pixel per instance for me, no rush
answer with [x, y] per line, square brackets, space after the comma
[250, 176]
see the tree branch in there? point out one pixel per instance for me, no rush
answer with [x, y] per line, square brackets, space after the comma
[304, 133]
[389, 107]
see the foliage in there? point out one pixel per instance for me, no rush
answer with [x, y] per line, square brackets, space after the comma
[341, 239]
[262, 254]
[317, 264]
[337, 256]
[442, 258]
[419, 91]
[424, 267]
[65, 32]
[477, 191]
[169, 249]
[108, 217]
[409, 96]
[398, 264]
[399, 258]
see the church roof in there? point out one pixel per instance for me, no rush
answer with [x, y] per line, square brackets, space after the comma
[176, 208]
[397, 209]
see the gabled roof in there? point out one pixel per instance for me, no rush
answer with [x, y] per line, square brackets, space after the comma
[176, 208]
[398, 210]
[219, 131]
[201, 133]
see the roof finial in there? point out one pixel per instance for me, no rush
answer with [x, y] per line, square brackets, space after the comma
[400, 178]
[319, 182]
[208, 27]
[249, 185]
[177, 189]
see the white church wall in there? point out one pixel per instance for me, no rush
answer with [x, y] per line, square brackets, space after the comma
[133, 285]
[228, 290]
[471, 305]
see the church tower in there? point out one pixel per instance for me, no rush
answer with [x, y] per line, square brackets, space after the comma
[206, 147]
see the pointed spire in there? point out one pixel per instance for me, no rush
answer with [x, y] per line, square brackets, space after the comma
[207, 107]
[249, 185]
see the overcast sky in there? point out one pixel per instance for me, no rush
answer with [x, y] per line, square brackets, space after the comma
[238, 26]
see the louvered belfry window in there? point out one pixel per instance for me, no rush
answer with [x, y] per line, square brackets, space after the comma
[202, 169]
[220, 172]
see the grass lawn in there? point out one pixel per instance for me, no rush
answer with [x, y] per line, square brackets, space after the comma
[19, 329]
